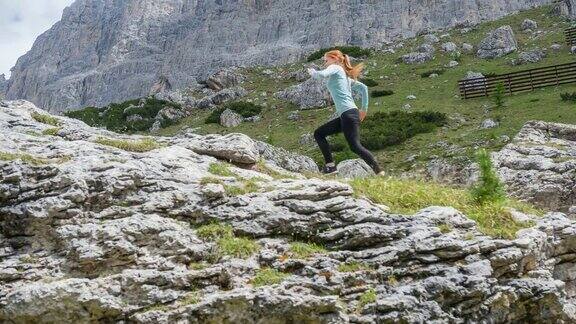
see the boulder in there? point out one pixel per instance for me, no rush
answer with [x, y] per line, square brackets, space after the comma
[529, 24]
[467, 48]
[309, 94]
[225, 78]
[354, 169]
[452, 64]
[488, 123]
[556, 47]
[497, 43]
[286, 160]
[221, 97]
[417, 57]
[431, 39]
[230, 118]
[449, 47]
[533, 56]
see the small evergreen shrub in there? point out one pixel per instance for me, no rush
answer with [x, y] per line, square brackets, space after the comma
[243, 108]
[354, 51]
[498, 95]
[427, 74]
[115, 116]
[369, 82]
[489, 189]
[381, 93]
[384, 129]
[568, 96]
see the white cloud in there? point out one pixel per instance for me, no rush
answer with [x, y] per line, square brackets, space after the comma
[21, 21]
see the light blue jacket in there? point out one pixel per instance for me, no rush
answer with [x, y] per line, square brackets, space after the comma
[341, 86]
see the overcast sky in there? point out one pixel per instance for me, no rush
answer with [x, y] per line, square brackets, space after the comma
[21, 21]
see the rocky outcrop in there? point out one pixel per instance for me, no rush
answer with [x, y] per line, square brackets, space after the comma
[309, 94]
[224, 78]
[539, 165]
[93, 233]
[105, 45]
[3, 85]
[497, 43]
[220, 97]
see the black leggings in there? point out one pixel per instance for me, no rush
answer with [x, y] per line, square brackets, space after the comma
[349, 123]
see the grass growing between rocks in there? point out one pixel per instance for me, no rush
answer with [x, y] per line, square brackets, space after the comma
[45, 119]
[353, 267]
[140, 146]
[245, 187]
[51, 131]
[220, 169]
[302, 250]
[410, 196]
[368, 297]
[268, 276]
[227, 243]
[24, 157]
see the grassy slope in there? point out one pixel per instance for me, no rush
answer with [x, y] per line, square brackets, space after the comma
[438, 94]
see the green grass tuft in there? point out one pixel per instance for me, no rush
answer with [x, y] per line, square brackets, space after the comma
[227, 243]
[267, 277]
[302, 250]
[24, 157]
[46, 119]
[368, 297]
[220, 169]
[143, 145]
[353, 267]
[51, 131]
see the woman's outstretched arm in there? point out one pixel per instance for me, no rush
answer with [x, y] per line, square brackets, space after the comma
[333, 68]
[363, 90]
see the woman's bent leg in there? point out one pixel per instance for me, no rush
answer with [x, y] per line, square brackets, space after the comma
[330, 128]
[351, 129]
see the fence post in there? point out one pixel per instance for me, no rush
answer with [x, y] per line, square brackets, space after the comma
[509, 85]
[463, 89]
[556, 70]
[531, 81]
[485, 86]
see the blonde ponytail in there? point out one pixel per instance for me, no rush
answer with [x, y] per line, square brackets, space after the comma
[351, 71]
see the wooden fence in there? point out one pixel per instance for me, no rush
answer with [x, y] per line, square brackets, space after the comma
[527, 80]
[570, 34]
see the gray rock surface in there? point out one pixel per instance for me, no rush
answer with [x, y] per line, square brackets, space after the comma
[533, 56]
[225, 78]
[230, 118]
[417, 57]
[356, 168]
[220, 97]
[309, 94]
[3, 85]
[431, 39]
[102, 45]
[488, 123]
[467, 48]
[449, 47]
[498, 42]
[529, 24]
[98, 234]
[539, 165]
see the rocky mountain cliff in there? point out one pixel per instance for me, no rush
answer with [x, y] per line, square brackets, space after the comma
[105, 50]
[101, 227]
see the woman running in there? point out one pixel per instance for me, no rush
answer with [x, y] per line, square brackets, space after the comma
[341, 81]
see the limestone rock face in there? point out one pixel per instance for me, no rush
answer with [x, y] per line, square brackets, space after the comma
[94, 233]
[539, 165]
[3, 85]
[498, 42]
[105, 51]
